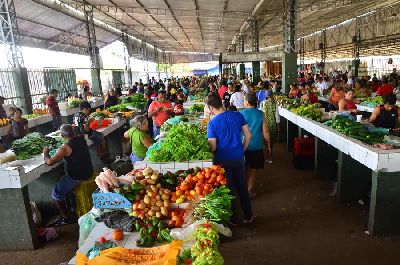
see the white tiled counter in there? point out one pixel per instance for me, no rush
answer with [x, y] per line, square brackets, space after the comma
[173, 166]
[65, 112]
[31, 169]
[360, 167]
[31, 123]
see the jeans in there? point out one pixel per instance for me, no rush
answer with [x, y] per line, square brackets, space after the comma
[135, 158]
[236, 180]
[64, 186]
[57, 122]
[156, 131]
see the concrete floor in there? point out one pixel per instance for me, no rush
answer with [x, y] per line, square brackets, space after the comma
[296, 223]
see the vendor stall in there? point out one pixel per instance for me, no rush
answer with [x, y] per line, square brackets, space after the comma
[66, 111]
[359, 165]
[33, 180]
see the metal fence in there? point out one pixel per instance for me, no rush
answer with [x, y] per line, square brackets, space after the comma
[41, 82]
[7, 86]
[37, 88]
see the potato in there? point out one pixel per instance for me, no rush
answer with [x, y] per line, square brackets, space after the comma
[167, 191]
[155, 172]
[138, 197]
[134, 206]
[164, 197]
[147, 177]
[164, 211]
[146, 199]
[160, 203]
[151, 213]
[155, 208]
[154, 177]
[150, 193]
[151, 181]
[141, 205]
[158, 214]
[143, 182]
[166, 203]
[159, 185]
[141, 216]
[154, 188]
[153, 201]
[135, 214]
[158, 197]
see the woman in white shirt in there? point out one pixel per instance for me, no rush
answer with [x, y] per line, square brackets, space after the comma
[237, 99]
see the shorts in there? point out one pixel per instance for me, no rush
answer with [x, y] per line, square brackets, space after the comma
[96, 137]
[135, 158]
[64, 186]
[254, 159]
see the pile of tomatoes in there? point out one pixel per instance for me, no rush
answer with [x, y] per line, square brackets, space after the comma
[177, 218]
[201, 184]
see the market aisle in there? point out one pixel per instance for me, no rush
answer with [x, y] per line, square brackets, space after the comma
[298, 223]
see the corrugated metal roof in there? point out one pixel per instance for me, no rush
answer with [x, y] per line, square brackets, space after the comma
[182, 25]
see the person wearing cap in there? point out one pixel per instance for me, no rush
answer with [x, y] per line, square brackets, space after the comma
[54, 110]
[111, 99]
[160, 111]
[386, 88]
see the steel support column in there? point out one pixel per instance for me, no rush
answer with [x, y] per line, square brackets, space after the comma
[241, 49]
[356, 47]
[322, 47]
[9, 34]
[93, 50]
[302, 53]
[289, 60]
[255, 47]
[127, 56]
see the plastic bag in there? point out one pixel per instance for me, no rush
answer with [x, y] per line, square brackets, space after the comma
[162, 255]
[186, 234]
[86, 224]
[7, 156]
[37, 217]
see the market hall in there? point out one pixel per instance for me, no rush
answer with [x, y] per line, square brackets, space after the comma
[199, 132]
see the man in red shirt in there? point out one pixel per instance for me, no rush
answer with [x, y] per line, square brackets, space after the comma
[222, 89]
[54, 110]
[386, 88]
[160, 111]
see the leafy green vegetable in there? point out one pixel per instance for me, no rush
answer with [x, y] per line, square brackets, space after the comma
[136, 100]
[74, 103]
[196, 108]
[32, 144]
[215, 206]
[183, 142]
[31, 116]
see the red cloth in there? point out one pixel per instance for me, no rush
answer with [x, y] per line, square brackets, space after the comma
[313, 99]
[221, 91]
[385, 90]
[350, 105]
[52, 104]
[160, 117]
[375, 87]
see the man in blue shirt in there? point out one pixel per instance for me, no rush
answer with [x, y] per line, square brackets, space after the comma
[224, 133]
[254, 155]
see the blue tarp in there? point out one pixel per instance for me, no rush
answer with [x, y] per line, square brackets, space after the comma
[199, 72]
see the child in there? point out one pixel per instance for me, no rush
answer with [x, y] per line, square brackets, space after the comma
[18, 126]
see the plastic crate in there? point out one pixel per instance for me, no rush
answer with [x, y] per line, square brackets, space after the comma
[304, 146]
[109, 200]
